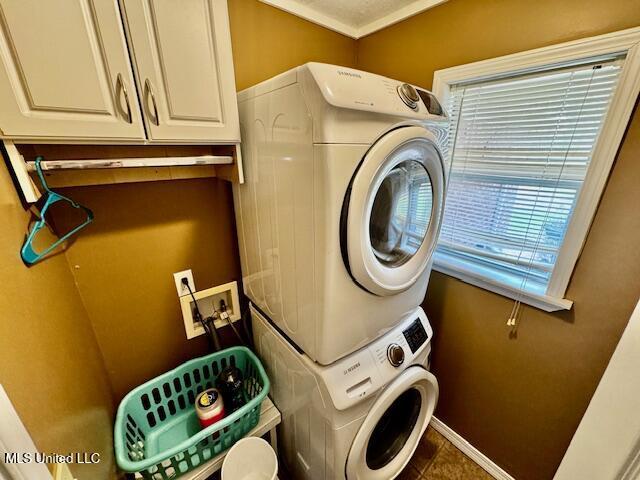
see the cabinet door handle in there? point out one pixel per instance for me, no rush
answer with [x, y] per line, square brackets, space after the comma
[148, 92]
[121, 89]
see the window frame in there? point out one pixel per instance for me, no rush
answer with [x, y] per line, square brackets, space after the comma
[624, 42]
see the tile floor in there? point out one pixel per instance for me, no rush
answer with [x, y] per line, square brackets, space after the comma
[437, 459]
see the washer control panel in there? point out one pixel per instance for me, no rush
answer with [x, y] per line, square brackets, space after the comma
[415, 335]
[364, 372]
[395, 354]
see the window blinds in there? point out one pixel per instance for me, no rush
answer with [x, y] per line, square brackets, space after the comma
[520, 148]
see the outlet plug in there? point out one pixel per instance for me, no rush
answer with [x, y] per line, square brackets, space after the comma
[181, 287]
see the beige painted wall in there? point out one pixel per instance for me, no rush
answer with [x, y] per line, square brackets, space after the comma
[267, 41]
[51, 366]
[123, 265]
[520, 400]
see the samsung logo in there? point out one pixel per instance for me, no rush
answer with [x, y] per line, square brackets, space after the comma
[349, 74]
[351, 368]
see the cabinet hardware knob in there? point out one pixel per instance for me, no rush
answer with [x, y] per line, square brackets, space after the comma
[148, 92]
[121, 89]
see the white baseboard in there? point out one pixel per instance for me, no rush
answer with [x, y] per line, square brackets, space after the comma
[470, 451]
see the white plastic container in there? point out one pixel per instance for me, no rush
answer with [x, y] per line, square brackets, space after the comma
[251, 458]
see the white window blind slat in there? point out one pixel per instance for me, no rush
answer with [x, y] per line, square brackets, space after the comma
[520, 148]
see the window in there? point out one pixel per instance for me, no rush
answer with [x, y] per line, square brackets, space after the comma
[528, 164]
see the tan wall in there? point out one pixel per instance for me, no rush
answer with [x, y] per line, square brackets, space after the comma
[124, 262]
[520, 400]
[267, 41]
[50, 366]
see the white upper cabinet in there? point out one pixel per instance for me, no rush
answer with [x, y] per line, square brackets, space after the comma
[65, 72]
[182, 56]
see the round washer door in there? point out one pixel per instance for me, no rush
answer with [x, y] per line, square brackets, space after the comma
[394, 208]
[393, 427]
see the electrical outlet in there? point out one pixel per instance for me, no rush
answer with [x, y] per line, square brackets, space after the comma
[181, 287]
[61, 472]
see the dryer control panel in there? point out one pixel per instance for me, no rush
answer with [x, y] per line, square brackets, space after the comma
[354, 89]
[364, 372]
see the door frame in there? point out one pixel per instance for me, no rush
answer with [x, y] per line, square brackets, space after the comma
[14, 438]
[607, 441]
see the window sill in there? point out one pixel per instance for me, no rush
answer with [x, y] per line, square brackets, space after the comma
[467, 274]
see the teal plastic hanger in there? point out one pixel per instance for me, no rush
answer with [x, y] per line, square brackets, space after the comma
[28, 254]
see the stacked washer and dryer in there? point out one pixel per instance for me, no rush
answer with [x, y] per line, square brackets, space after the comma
[337, 222]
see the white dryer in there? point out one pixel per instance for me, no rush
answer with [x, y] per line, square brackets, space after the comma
[360, 418]
[342, 202]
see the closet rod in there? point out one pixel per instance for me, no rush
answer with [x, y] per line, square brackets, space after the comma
[132, 162]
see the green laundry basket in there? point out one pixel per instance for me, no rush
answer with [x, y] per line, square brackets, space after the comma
[157, 432]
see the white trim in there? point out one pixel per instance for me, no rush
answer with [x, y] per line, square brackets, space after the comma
[356, 32]
[616, 42]
[29, 189]
[467, 275]
[604, 155]
[470, 451]
[622, 42]
[606, 443]
[299, 10]
[397, 16]
[14, 437]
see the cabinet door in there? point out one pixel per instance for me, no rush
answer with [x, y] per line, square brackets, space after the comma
[65, 72]
[183, 60]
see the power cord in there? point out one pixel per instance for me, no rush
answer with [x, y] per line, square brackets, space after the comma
[207, 323]
[224, 315]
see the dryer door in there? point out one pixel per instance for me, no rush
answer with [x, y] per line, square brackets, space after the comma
[392, 211]
[393, 427]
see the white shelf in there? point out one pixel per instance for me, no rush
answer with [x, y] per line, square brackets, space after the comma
[91, 164]
[270, 417]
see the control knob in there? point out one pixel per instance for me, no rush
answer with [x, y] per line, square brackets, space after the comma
[395, 354]
[409, 95]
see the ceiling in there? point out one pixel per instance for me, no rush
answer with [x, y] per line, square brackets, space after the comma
[354, 18]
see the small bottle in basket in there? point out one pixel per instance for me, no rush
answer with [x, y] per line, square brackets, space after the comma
[209, 407]
[229, 383]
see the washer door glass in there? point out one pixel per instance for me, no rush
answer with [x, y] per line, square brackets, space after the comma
[401, 213]
[393, 429]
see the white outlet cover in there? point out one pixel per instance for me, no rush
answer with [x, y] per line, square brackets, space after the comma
[228, 291]
[180, 287]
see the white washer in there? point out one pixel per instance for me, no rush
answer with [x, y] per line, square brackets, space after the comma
[342, 203]
[360, 418]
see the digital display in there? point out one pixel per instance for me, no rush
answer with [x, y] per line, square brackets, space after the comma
[431, 102]
[415, 335]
